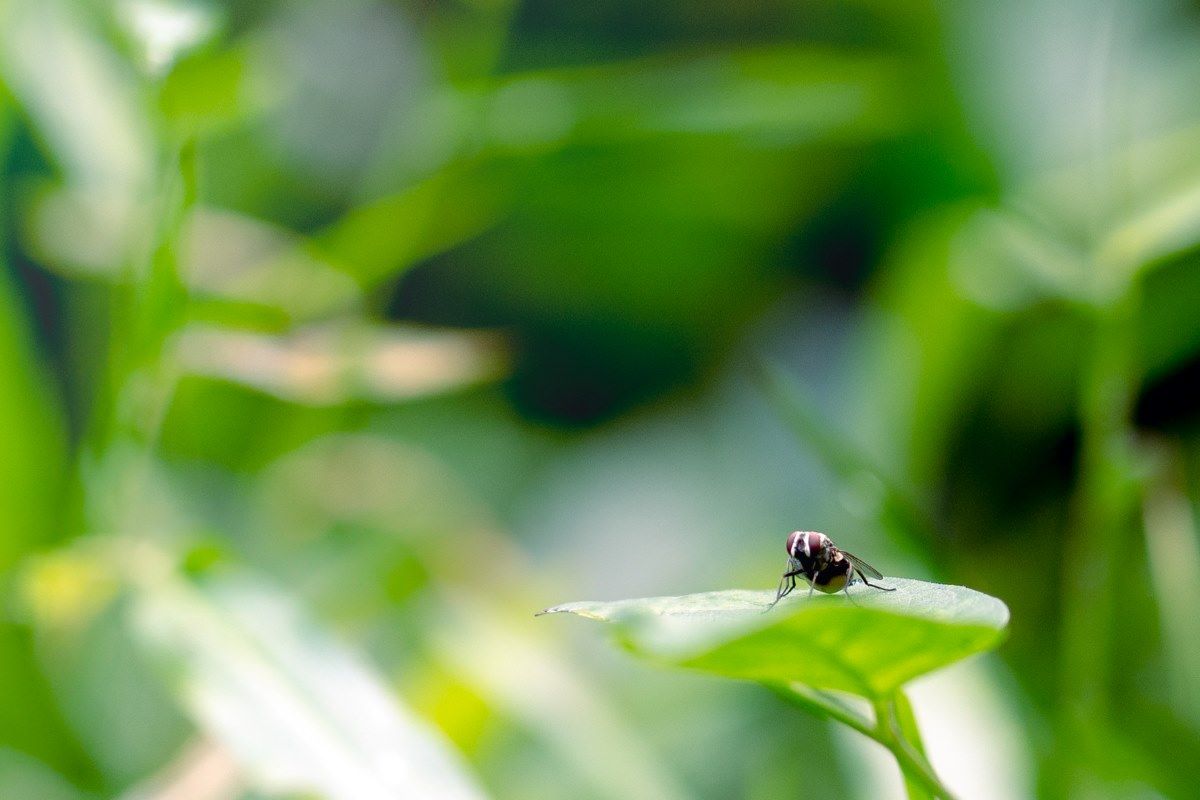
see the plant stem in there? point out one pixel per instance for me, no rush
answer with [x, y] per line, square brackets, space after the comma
[908, 755]
[886, 729]
[1105, 511]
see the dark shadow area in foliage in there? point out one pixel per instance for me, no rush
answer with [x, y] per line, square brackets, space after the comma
[1172, 402]
[546, 30]
[573, 369]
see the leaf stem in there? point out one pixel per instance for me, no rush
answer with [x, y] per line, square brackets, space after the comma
[886, 730]
[914, 765]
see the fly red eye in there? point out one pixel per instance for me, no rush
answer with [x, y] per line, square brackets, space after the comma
[817, 542]
[794, 544]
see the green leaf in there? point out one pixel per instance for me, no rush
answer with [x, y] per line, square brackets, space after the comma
[869, 644]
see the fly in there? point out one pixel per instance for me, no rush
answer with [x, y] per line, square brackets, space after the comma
[814, 557]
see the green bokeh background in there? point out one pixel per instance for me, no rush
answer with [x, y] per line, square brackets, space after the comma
[381, 325]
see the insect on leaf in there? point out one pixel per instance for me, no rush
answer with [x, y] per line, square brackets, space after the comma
[870, 644]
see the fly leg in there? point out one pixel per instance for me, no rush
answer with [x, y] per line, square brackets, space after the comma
[846, 587]
[779, 591]
[875, 585]
[856, 574]
[782, 592]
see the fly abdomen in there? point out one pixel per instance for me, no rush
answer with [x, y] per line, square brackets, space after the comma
[833, 578]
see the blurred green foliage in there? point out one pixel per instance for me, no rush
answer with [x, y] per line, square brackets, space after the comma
[339, 336]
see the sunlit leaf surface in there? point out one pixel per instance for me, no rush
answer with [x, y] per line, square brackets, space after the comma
[869, 644]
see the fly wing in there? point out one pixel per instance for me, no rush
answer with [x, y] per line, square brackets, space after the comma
[862, 566]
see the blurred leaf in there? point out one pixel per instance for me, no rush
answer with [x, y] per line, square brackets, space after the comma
[869, 645]
[235, 257]
[82, 97]
[344, 512]
[379, 239]
[931, 352]
[163, 30]
[78, 231]
[127, 722]
[32, 448]
[1053, 239]
[1173, 557]
[31, 719]
[540, 690]
[1140, 205]
[32, 484]
[298, 711]
[1170, 226]
[222, 255]
[161, 295]
[778, 96]
[1004, 260]
[150, 305]
[795, 94]
[770, 97]
[331, 365]
[23, 777]
[207, 91]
